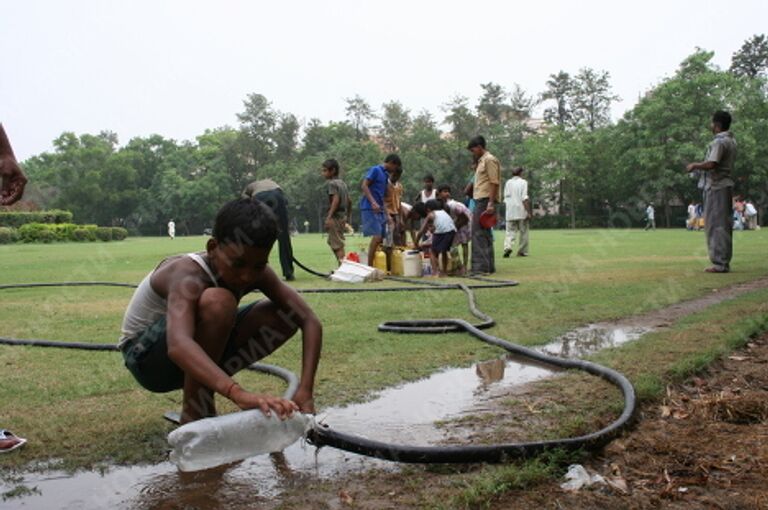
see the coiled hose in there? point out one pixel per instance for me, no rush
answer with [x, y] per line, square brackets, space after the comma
[323, 435]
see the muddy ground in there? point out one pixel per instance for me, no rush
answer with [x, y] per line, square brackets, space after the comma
[705, 445]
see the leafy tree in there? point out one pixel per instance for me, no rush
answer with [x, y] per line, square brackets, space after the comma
[459, 116]
[319, 139]
[591, 98]
[286, 137]
[395, 125]
[493, 106]
[257, 125]
[559, 89]
[751, 60]
[359, 113]
[520, 103]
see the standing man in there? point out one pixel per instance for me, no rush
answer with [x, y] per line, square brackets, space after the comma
[650, 217]
[13, 179]
[518, 215]
[373, 214]
[172, 229]
[269, 192]
[485, 192]
[718, 193]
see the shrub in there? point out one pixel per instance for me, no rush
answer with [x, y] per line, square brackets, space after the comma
[119, 233]
[8, 235]
[18, 218]
[81, 234]
[30, 232]
[47, 235]
[104, 233]
[63, 231]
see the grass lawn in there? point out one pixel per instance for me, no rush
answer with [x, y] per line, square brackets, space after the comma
[85, 408]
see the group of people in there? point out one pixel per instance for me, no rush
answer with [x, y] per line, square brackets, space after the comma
[436, 222]
[744, 214]
[185, 328]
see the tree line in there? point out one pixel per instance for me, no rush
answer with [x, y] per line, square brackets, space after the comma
[584, 169]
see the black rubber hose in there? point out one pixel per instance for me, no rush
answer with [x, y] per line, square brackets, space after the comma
[323, 435]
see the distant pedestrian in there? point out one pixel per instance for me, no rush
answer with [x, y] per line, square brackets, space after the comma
[750, 213]
[718, 192]
[485, 192]
[269, 192]
[339, 208]
[518, 214]
[172, 229]
[690, 222]
[650, 217]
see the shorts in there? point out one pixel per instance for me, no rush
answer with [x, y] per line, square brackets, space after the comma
[336, 234]
[373, 223]
[146, 355]
[441, 243]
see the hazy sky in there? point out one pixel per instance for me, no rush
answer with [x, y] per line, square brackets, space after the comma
[138, 67]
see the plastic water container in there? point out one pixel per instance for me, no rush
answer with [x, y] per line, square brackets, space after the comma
[412, 263]
[380, 260]
[426, 267]
[211, 442]
[397, 262]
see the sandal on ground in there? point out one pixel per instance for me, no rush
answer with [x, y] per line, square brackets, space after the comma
[9, 441]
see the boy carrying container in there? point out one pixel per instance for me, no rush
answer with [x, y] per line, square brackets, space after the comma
[183, 328]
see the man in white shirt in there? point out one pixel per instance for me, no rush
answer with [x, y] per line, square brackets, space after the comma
[650, 217]
[518, 215]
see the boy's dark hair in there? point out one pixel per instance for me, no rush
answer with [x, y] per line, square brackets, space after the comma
[394, 159]
[477, 141]
[332, 165]
[722, 118]
[434, 205]
[420, 209]
[429, 178]
[443, 187]
[246, 221]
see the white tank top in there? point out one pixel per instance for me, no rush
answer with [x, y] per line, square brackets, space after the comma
[443, 222]
[147, 306]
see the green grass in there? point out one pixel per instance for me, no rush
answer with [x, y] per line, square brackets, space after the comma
[570, 279]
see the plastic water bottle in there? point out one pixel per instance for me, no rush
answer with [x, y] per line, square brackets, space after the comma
[211, 442]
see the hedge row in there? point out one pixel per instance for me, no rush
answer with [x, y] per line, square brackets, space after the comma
[16, 219]
[48, 233]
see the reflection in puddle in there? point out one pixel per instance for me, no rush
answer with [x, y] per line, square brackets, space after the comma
[405, 414]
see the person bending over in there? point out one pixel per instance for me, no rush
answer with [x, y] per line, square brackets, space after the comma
[184, 328]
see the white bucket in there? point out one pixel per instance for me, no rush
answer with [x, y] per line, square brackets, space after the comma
[412, 263]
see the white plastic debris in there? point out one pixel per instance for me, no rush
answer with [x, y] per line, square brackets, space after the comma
[578, 477]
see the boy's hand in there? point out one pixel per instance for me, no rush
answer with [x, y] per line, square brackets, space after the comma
[305, 401]
[266, 403]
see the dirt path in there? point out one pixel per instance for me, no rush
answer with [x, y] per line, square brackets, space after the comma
[705, 446]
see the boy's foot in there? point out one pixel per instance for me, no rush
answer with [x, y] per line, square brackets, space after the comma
[9, 441]
[714, 269]
[522, 254]
[507, 253]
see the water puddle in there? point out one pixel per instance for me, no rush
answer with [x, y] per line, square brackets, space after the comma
[405, 414]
